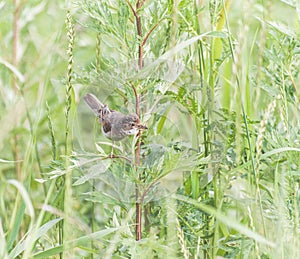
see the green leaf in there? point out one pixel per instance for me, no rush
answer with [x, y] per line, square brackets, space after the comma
[74, 243]
[21, 246]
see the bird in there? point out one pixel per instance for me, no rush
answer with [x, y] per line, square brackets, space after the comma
[115, 125]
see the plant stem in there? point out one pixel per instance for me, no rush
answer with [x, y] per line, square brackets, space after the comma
[139, 4]
[138, 204]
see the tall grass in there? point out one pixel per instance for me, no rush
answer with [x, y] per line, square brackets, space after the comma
[216, 175]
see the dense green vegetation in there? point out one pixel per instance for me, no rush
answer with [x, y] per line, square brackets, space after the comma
[217, 173]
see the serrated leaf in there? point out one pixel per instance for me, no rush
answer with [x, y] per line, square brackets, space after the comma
[94, 171]
[102, 198]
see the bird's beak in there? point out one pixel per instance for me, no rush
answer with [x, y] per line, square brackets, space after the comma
[141, 127]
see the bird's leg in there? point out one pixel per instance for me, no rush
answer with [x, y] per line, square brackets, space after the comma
[112, 149]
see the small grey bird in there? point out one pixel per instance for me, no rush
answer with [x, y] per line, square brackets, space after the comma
[115, 125]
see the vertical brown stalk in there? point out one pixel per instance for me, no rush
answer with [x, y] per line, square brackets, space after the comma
[142, 42]
[138, 204]
[139, 4]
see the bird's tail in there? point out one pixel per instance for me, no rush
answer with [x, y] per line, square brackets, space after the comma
[93, 102]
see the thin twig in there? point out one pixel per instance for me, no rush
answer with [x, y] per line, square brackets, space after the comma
[132, 9]
[139, 4]
[137, 100]
[149, 32]
[122, 157]
[147, 190]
